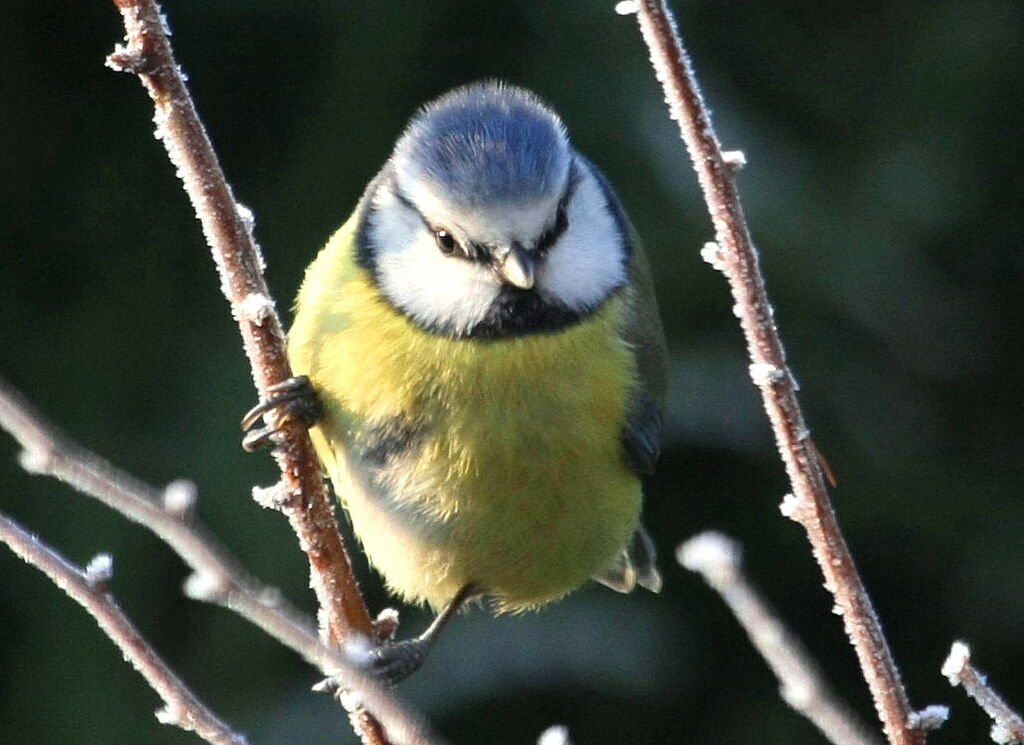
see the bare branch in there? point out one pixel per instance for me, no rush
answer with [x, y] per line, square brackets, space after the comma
[89, 589]
[217, 577]
[228, 230]
[1008, 726]
[735, 256]
[718, 559]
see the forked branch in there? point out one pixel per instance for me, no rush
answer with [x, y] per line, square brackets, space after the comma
[734, 255]
[217, 576]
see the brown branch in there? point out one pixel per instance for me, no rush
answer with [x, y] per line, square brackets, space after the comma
[735, 256]
[217, 576]
[148, 54]
[228, 230]
[1008, 726]
[718, 559]
[89, 589]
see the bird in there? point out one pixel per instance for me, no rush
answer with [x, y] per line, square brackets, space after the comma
[479, 353]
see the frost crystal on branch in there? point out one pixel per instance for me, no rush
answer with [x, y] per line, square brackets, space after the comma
[100, 570]
[959, 656]
[712, 554]
[35, 460]
[270, 497]
[556, 734]
[764, 373]
[180, 497]
[734, 159]
[255, 307]
[929, 718]
[203, 586]
[711, 252]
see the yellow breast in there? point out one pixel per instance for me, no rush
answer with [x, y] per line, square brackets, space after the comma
[496, 462]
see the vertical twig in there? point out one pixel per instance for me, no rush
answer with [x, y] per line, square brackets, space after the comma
[735, 256]
[89, 589]
[228, 230]
[148, 54]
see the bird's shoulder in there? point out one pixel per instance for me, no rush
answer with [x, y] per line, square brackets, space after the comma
[642, 329]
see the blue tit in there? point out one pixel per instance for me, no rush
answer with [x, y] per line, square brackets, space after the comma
[483, 338]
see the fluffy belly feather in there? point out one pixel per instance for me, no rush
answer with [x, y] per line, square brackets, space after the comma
[496, 463]
[527, 509]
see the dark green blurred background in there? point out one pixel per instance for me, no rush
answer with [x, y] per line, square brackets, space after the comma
[885, 193]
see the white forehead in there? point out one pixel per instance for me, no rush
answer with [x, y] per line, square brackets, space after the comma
[580, 271]
[492, 224]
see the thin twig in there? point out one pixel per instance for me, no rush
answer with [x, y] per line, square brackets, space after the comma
[718, 559]
[735, 256]
[1008, 725]
[229, 234]
[217, 576]
[89, 589]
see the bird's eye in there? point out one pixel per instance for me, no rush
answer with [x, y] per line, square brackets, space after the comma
[445, 241]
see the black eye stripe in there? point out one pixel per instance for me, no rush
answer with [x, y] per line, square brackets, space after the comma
[480, 253]
[547, 240]
[555, 231]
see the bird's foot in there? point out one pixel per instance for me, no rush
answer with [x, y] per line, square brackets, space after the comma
[292, 399]
[387, 662]
[392, 662]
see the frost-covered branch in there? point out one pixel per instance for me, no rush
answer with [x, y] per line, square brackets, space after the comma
[228, 230]
[1008, 726]
[718, 559]
[734, 255]
[217, 576]
[89, 589]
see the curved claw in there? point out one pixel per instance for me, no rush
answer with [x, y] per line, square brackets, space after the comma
[258, 439]
[391, 662]
[297, 399]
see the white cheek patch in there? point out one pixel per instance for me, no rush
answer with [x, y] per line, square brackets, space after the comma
[437, 291]
[588, 262]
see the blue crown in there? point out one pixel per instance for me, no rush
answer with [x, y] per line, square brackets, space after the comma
[486, 143]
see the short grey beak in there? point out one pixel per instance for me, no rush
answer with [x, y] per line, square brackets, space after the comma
[517, 267]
